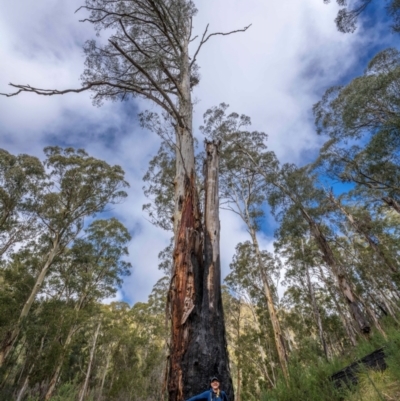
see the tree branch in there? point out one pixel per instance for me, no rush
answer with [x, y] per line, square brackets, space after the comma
[154, 83]
[49, 92]
[204, 39]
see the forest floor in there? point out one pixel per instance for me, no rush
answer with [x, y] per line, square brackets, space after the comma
[376, 386]
[310, 379]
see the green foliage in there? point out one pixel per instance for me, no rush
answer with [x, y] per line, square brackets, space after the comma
[363, 122]
[348, 14]
[20, 179]
[309, 378]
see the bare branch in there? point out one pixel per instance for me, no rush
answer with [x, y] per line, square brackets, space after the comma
[52, 92]
[49, 92]
[204, 39]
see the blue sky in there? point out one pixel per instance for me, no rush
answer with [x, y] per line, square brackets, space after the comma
[274, 73]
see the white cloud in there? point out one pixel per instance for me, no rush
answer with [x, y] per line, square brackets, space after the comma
[274, 73]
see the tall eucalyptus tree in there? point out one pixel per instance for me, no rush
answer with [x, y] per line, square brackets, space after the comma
[243, 192]
[362, 121]
[20, 180]
[147, 55]
[78, 186]
[349, 13]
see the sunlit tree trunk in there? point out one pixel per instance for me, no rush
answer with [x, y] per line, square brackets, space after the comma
[89, 368]
[279, 340]
[103, 378]
[317, 315]
[350, 331]
[25, 385]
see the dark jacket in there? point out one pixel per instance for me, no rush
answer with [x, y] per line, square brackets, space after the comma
[208, 396]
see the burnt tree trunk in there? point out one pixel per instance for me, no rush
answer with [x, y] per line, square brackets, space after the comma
[207, 353]
[185, 293]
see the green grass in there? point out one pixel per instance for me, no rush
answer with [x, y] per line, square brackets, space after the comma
[309, 377]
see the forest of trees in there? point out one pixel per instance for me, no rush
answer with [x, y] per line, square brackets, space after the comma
[331, 284]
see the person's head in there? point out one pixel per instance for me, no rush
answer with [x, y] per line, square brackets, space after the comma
[215, 383]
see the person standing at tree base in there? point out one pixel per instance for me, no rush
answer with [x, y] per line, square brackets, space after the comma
[214, 393]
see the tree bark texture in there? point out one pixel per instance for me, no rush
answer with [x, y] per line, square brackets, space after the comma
[186, 284]
[209, 346]
[198, 345]
[198, 348]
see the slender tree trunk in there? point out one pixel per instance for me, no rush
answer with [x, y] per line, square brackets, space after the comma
[343, 283]
[390, 306]
[330, 260]
[317, 315]
[26, 381]
[279, 340]
[73, 329]
[388, 303]
[8, 343]
[57, 371]
[103, 378]
[326, 252]
[356, 226]
[348, 328]
[24, 387]
[263, 368]
[89, 368]
[238, 389]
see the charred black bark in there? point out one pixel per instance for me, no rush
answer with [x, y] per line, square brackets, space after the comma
[207, 353]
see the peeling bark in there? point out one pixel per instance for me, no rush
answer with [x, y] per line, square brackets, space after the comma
[185, 294]
[186, 284]
[215, 359]
[198, 344]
